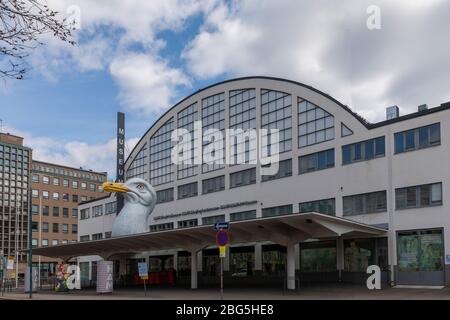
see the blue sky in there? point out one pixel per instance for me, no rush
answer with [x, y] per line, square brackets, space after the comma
[141, 57]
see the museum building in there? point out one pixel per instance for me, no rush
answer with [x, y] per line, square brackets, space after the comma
[389, 177]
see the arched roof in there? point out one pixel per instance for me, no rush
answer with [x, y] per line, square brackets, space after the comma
[363, 121]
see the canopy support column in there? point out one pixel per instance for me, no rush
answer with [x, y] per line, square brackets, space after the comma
[291, 266]
[194, 280]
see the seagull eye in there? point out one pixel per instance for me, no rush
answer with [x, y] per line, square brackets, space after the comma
[140, 187]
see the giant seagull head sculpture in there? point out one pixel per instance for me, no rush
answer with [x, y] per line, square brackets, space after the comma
[139, 202]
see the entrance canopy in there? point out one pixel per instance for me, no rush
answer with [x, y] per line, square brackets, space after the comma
[284, 230]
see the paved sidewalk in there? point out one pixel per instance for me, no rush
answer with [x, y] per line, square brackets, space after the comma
[341, 292]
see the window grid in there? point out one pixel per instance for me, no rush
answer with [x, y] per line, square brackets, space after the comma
[243, 116]
[426, 195]
[366, 203]
[138, 168]
[161, 168]
[276, 113]
[213, 117]
[186, 120]
[315, 125]
[316, 161]
[418, 138]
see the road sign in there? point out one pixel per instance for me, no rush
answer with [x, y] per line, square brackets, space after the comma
[223, 251]
[143, 270]
[10, 264]
[222, 238]
[221, 225]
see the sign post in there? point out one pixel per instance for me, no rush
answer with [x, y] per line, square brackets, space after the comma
[143, 274]
[120, 166]
[222, 241]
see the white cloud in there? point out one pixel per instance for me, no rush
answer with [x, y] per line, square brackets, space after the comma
[98, 157]
[147, 84]
[327, 44]
[122, 38]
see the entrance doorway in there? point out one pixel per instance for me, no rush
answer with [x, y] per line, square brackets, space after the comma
[420, 257]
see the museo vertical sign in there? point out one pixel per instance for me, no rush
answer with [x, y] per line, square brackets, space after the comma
[120, 173]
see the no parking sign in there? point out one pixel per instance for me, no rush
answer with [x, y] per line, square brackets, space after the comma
[222, 238]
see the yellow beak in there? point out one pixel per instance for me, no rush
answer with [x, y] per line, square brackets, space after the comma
[114, 187]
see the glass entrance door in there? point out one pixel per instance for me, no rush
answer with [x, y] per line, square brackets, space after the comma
[420, 257]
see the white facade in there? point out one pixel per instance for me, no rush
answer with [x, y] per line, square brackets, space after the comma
[386, 172]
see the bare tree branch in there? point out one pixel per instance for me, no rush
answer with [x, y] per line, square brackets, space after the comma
[22, 23]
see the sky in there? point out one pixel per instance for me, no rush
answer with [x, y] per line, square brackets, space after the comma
[141, 57]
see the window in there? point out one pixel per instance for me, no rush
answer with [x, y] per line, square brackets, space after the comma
[97, 236]
[55, 228]
[84, 214]
[66, 183]
[65, 197]
[137, 168]
[316, 161]
[97, 211]
[74, 228]
[243, 178]
[45, 242]
[318, 256]
[163, 196]
[242, 108]
[315, 125]
[55, 181]
[65, 228]
[326, 206]
[188, 223]
[213, 117]
[34, 226]
[161, 227]
[277, 211]
[345, 131]
[45, 180]
[418, 196]
[187, 190]
[34, 243]
[213, 219]
[45, 210]
[45, 195]
[65, 212]
[74, 213]
[55, 196]
[75, 184]
[421, 250]
[35, 193]
[419, 138]
[363, 151]
[373, 202]
[244, 215]
[44, 227]
[213, 185]
[92, 187]
[186, 120]
[35, 178]
[34, 209]
[284, 170]
[74, 198]
[276, 113]
[108, 234]
[56, 211]
[55, 242]
[85, 238]
[361, 253]
[110, 208]
[83, 185]
[161, 167]
[84, 198]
